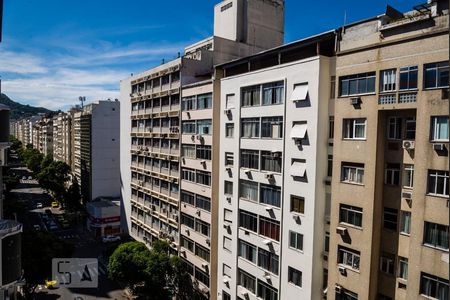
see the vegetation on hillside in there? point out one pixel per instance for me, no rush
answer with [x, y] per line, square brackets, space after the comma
[20, 111]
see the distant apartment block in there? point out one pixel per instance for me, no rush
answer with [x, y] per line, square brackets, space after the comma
[62, 142]
[96, 149]
[390, 211]
[173, 108]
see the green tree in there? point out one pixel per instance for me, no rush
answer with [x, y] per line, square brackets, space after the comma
[150, 274]
[54, 178]
[48, 159]
[32, 159]
[38, 250]
[72, 197]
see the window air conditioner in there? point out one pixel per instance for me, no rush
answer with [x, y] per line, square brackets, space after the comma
[269, 176]
[408, 145]
[355, 101]
[341, 269]
[407, 195]
[438, 147]
[227, 111]
[338, 289]
[341, 230]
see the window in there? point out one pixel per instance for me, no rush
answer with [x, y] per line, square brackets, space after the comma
[250, 128]
[201, 276]
[228, 215]
[327, 242]
[346, 295]
[438, 182]
[408, 176]
[203, 152]
[247, 281]
[247, 251]
[187, 220]
[333, 87]
[188, 198]
[204, 101]
[348, 257]
[392, 174]
[390, 218]
[272, 127]
[250, 159]
[268, 261]
[405, 222]
[273, 93]
[433, 286]
[296, 240]
[227, 243]
[297, 204]
[251, 96]
[187, 243]
[203, 177]
[225, 295]
[229, 130]
[226, 270]
[204, 127]
[269, 228]
[270, 195]
[357, 84]
[331, 127]
[436, 235]
[403, 268]
[202, 227]
[330, 166]
[387, 264]
[202, 252]
[249, 190]
[439, 129]
[408, 78]
[271, 161]
[266, 292]
[188, 127]
[394, 128]
[203, 203]
[354, 129]
[294, 276]
[188, 174]
[350, 215]
[229, 101]
[387, 80]
[248, 220]
[410, 131]
[228, 187]
[353, 173]
[436, 75]
[229, 159]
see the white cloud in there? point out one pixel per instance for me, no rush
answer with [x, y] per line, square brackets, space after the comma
[21, 63]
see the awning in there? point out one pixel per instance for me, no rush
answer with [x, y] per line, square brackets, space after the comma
[300, 92]
[298, 131]
[298, 169]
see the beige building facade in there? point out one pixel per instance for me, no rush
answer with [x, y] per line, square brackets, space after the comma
[62, 146]
[389, 215]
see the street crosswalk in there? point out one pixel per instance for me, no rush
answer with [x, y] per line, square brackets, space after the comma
[28, 181]
[70, 236]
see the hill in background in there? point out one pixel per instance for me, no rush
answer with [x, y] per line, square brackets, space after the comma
[20, 111]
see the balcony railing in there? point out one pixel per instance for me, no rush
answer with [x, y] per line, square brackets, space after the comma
[401, 97]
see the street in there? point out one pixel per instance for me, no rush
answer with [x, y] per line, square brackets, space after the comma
[39, 215]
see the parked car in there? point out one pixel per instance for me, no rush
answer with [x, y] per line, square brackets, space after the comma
[110, 238]
[55, 204]
[30, 177]
[39, 205]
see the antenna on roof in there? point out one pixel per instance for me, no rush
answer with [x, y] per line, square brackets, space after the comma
[345, 18]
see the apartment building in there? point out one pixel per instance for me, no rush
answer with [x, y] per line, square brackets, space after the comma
[10, 231]
[46, 136]
[96, 149]
[390, 211]
[151, 185]
[62, 129]
[275, 108]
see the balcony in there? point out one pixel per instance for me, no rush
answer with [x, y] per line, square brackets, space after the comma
[397, 97]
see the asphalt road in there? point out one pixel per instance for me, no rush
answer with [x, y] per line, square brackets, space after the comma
[30, 194]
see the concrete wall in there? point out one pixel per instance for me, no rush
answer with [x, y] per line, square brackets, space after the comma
[125, 154]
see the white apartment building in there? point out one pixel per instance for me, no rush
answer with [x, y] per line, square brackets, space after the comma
[62, 138]
[151, 184]
[96, 149]
[273, 171]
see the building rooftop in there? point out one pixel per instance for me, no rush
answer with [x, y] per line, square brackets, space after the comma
[8, 227]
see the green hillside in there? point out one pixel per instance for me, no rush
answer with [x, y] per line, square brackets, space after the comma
[19, 111]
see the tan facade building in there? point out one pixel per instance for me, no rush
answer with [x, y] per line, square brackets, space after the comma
[62, 128]
[390, 186]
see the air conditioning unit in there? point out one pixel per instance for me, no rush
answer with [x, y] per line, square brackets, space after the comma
[199, 137]
[187, 232]
[438, 147]
[198, 212]
[296, 218]
[341, 230]
[203, 162]
[244, 293]
[153, 207]
[227, 111]
[228, 199]
[269, 176]
[208, 241]
[205, 265]
[276, 154]
[192, 137]
[338, 289]
[408, 145]
[183, 252]
[298, 142]
[355, 101]
[267, 276]
[228, 169]
[268, 208]
[341, 269]
[267, 242]
[248, 172]
[226, 279]
[226, 226]
[407, 195]
[175, 217]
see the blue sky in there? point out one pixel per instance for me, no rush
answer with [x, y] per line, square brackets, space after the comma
[54, 51]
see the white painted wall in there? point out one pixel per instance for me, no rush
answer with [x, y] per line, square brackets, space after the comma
[125, 154]
[315, 113]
